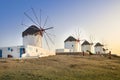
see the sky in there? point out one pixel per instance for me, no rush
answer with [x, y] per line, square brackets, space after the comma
[99, 19]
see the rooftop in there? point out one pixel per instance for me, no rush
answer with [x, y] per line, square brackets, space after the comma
[98, 44]
[70, 38]
[85, 43]
[30, 31]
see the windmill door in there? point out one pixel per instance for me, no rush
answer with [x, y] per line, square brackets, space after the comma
[0, 53]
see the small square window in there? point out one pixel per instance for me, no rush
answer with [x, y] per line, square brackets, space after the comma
[8, 48]
[11, 50]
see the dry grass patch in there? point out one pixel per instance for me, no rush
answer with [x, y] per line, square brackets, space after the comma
[61, 67]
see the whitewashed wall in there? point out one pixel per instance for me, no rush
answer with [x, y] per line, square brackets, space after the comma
[30, 51]
[72, 45]
[34, 40]
[98, 49]
[33, 51]
[15, 51]
[4, 52]
[85, 48]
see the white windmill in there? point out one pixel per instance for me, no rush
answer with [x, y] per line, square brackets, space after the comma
[79, 39]
[92, 43]
[35, 33]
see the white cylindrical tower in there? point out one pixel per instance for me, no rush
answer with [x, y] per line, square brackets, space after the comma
[32, 36]
[72, 44]
[98, 48]
[85, 46]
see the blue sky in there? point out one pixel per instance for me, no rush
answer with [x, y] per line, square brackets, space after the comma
[99, 18]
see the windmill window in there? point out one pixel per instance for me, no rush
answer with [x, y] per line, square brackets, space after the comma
[11, 50]
[8, 48]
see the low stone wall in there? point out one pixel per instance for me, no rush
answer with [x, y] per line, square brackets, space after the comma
[72, 53]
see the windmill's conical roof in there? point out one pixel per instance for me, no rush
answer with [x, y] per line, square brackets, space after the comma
[98, 44]
[70, 38]
[85, 43]
[30, 31]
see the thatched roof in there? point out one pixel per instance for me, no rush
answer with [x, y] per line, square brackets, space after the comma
[98, 44]
[70, 38]
[30, 31]
[85, 43]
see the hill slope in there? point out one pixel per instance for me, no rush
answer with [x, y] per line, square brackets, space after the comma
[62, 67]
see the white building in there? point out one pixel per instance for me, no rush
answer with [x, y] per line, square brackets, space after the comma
[72, 44]
[24, 51]
[85, 46]
[32, 46]
[12, 52]
[98, 48]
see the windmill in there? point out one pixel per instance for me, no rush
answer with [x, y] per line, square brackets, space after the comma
[92, 43]
[41, 28]
[92, 39]
[77, 35]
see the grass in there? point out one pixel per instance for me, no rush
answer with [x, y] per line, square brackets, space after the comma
[61, 67]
